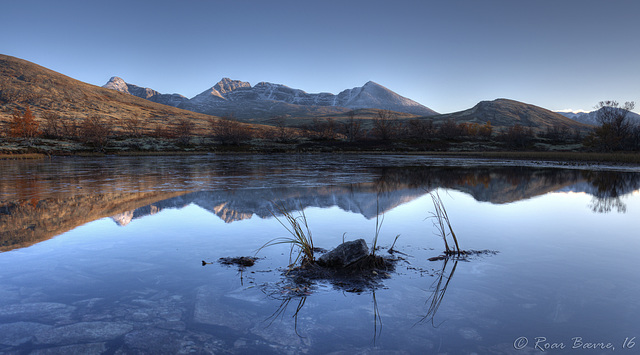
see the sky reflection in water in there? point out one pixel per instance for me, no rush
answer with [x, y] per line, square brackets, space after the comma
[565, 269]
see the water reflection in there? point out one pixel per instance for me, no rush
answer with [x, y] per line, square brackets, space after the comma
[438, 289]
[607, 188]
[41, 200]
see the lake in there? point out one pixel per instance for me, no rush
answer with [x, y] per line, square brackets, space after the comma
[105, 255]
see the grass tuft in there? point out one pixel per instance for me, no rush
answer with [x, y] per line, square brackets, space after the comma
[443, 224]
[300, 239]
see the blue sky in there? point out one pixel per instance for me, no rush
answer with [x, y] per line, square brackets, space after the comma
[447, 55]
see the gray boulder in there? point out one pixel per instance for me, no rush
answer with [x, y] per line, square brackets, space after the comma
[345, 254]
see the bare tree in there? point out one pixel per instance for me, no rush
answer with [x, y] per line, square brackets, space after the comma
[610, 112]
[615, 131]
[420, 128]
[280, 122]
[449, 129]
[95, 131]
[352, 128]
[325, 129]
[517, 136]
[133, 126]
[52, 127]
[69, 128]
[228, 130]
[385, 125]
[183, 130]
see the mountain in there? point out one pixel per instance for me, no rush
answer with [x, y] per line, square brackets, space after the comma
[268, 99]
[506, 113]
[24, 83]
[116, 83]
[592, 117]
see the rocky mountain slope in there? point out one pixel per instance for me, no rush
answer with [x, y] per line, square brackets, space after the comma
[241, 99]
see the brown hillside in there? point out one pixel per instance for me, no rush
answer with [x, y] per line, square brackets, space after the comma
[507, 113]
[23, 83]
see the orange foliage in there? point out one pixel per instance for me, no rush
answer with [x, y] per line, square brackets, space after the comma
[23, 126]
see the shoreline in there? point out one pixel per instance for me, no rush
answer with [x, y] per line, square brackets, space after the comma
[623, 159]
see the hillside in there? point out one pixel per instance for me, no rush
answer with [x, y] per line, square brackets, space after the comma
[506, 113]
[24, 83]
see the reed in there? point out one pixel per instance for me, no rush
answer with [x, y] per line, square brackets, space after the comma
[300, 239]
[379, 222]
[443, 224]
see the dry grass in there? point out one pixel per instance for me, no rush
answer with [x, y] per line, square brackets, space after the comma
[22, 156]
[443, 224]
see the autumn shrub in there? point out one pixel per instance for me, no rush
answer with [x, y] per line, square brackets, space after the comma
[95, 132]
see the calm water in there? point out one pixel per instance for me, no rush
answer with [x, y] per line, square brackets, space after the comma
[105, 256]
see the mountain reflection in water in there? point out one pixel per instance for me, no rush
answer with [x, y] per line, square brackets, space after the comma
[39, 202]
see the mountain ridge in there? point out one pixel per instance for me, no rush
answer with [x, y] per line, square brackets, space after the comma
[234, 95]
[118, 84]
[592, 117]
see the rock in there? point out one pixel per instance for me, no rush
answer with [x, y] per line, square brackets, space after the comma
[83, 332]
[242, 261]
[345, 254]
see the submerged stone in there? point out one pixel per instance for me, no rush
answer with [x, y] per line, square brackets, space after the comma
[345, 254]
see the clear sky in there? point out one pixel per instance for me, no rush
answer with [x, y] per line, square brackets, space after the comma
[447, 55]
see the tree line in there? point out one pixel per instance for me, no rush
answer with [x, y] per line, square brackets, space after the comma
[614, 133]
